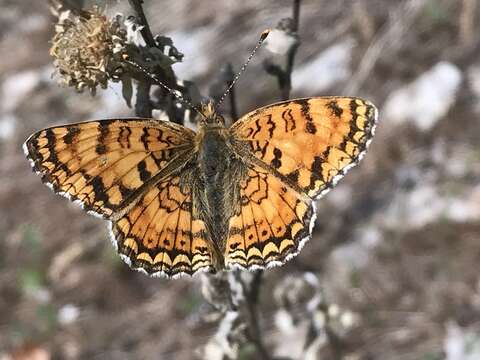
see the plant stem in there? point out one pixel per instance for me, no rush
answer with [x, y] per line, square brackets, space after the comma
[233, 101]
[287, 74]
[142, 20]
[284, 75]
[252, 293]
[143, 106]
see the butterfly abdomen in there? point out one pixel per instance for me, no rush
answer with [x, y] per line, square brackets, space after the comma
[213, 163]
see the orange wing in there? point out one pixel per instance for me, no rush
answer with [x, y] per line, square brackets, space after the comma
[295, 152]
[162, 234]
[103, 165]
[310, 143]
[272, 223]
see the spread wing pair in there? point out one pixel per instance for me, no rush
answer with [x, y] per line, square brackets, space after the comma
[136, 173]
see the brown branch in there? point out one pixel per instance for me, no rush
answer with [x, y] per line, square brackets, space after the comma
[233, 100]
[142, 21]
[143, 105]
[296, 15]
[254, 333]
[287, 83]
[165, 75]
[284, 76]
[217, 90]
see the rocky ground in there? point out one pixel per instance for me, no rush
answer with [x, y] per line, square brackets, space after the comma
[392, 270]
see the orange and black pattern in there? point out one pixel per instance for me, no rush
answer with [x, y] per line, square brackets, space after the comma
[162, 233]
[153, 180]
[272, 223]
[298, 150]
[309, 143]
[103, 165]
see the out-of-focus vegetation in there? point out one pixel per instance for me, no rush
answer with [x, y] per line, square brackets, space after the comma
[392, 270]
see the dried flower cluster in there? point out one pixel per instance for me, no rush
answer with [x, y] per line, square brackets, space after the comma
[87, 49]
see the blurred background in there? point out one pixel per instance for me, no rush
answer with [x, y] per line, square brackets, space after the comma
[392, 269]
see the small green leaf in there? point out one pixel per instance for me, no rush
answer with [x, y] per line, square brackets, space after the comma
[31, 280]
[31, 237]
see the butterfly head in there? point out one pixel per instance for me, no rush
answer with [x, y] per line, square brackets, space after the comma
[211, 118]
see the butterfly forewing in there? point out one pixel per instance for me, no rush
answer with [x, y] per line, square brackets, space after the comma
[309, 143]
[103, 165]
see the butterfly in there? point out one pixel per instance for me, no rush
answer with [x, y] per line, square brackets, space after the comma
[179, 201]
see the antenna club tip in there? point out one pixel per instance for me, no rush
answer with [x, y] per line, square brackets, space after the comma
[264, 34]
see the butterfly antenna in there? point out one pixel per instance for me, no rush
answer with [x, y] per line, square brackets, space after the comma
[159, 82]
[244, 67]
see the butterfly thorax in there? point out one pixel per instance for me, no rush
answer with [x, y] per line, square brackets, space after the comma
[212, 154]
[211, 144]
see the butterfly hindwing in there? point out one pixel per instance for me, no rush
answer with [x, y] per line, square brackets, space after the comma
[162, 233]
[102, 165]
[310, 142]
[272, 222]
